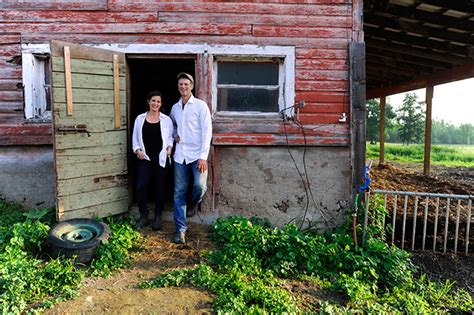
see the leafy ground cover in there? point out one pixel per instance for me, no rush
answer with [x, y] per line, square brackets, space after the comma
[253, 262]
[447, 155]
[30, 281]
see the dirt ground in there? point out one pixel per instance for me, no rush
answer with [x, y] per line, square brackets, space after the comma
[119, 294]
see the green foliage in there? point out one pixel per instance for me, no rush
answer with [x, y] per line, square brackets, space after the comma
[411, 119]
[247, 269]
[373, 119]
[25, 278]
[440, 155]
[118, 251]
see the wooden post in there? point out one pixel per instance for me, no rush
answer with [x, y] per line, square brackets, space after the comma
[68, 76]
[429, 101]
[382, 131]
[358, 121]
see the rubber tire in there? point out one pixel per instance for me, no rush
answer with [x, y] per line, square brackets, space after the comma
[82, 252]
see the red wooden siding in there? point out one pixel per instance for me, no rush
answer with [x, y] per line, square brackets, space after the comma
[320, 30]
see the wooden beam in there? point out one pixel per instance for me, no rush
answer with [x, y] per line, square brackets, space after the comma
[409, 61]
[382, 131]
[67, 73]
[465, 71]
[358, 120]
[380, 19]
[427, 158]
[458, 5]
[429, 17]
[420, 41]
[406, 50]
[116, 90]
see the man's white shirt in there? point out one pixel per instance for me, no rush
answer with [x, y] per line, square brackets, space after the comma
[193, 125]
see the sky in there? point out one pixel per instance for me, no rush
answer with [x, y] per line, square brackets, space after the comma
[452, 102]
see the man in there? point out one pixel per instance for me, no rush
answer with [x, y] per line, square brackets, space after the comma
[193, 133]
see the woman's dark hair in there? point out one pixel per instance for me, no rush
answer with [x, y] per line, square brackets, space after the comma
[151, 95]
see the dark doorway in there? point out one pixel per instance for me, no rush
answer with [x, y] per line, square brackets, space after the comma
[148, 74]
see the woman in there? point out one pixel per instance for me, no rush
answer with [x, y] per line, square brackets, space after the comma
[152, 142]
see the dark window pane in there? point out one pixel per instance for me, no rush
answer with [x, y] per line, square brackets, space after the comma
[247, 73]
[242, 99]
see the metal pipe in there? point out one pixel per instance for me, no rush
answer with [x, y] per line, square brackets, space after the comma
[410, 193]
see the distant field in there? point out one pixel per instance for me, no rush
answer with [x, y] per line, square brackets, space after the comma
[447, 155]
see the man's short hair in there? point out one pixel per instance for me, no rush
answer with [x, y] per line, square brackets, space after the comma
[184, 75]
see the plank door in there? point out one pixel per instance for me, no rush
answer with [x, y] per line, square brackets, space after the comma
[90, 131]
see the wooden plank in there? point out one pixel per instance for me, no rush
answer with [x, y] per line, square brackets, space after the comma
[324, 9]
[82, 140]
[54, 5]
[102, 210]
[324, 75]
[87, 66]
[86, 96]
[86, 81]
[147, 38]
[255, 19]
[322, 64]
[87, 111]
[92, 151]
[64, 160]
[96, 124]
[105, 166]
[322, 97]
[67, 78]
[272, 140]
[131, 28]
[117, 92]
[65, 16]
[8, 95]
[300, 31]
[319, 53]
[336, 86]
[246, 127]
[25, 134]
[93, 198]
[90, 183]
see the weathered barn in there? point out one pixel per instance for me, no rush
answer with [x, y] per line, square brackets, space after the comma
[284, 80]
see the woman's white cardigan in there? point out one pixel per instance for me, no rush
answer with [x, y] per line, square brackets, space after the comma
[166, 127]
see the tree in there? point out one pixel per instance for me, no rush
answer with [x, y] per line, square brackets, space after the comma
[411, 119]
[373, 119]
[467, 132]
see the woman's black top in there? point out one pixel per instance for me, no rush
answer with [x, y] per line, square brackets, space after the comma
[151, 134]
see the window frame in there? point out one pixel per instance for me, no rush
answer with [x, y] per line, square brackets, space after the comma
[33, 76]
[286, 76]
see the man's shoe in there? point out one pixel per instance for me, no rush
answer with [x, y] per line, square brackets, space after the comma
[142, 222]
[180, 238]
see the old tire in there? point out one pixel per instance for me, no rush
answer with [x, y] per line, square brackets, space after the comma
[77, 238]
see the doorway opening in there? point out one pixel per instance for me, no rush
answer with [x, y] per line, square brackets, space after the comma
[151, 73]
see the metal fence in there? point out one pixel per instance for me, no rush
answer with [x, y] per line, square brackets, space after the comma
[445, 219]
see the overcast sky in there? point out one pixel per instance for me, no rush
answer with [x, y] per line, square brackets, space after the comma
[452, 102]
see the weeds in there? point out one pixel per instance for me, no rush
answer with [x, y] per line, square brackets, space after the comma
[248, 270]
[31, 282]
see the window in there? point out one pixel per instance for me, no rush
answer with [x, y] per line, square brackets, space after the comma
[248, 86]
[36, 64]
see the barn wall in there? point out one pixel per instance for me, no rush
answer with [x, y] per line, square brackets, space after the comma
[320, 31]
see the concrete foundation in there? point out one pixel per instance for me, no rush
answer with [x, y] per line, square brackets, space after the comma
[265, 182]
[27, 175]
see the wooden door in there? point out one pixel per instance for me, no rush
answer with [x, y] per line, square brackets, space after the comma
[90, 131]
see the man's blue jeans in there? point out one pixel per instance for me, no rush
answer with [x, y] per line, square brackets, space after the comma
[182, 175]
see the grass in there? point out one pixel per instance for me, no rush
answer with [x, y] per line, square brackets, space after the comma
[446, 155]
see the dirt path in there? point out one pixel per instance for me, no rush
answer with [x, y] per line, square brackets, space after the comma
[119, 294]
